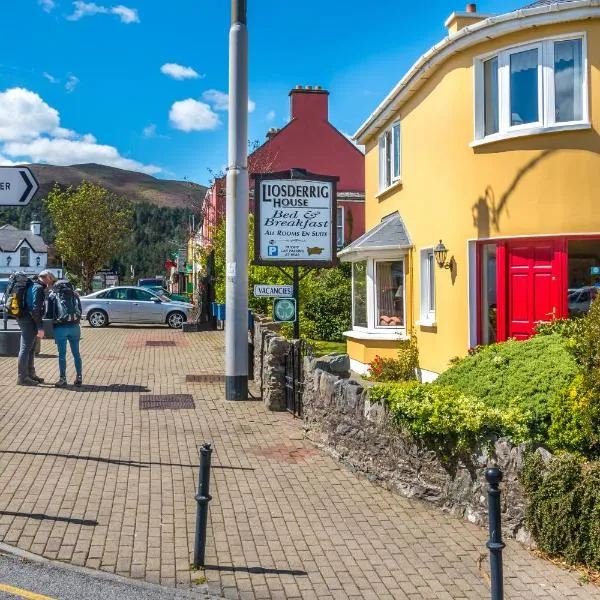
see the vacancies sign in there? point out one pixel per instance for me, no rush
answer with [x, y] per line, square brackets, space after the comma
[295, 222]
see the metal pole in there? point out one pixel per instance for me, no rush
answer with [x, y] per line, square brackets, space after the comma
[495, 545]
[202, 498]
[236, 251]
[297, 298]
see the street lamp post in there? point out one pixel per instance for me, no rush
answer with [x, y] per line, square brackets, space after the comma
[236, 211]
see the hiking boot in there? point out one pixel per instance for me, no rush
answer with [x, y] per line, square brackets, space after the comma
[36, 378]
[27, 381]
[78, 381]
[61, 383]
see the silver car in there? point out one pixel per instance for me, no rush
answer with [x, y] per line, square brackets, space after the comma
[133, 305]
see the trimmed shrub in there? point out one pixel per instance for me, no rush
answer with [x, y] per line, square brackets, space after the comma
[446, 419]
[516, 373]
[563, 513]
[575, 413]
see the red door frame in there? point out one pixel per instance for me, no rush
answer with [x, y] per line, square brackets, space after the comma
[561, 256]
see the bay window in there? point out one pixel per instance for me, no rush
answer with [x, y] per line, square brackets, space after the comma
[532, 87]
[389, 157]
[427, 287]
[378, 294]
[340, 226]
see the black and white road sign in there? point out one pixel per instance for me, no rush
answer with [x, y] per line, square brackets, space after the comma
[17, 186]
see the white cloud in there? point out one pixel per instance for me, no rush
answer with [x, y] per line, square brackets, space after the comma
[150, 131]
[24, 115]
[192, 115]
[4, 162]
[47, 5]
[220, 100]
[71, 84]
[89, 9]
[127, 15]
[178, 71]
[50, 78]
[270, 115]
[33, 133]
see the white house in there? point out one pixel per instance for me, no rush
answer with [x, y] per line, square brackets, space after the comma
[22, 250]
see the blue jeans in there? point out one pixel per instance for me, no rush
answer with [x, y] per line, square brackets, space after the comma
[72, 335]
[29, 331]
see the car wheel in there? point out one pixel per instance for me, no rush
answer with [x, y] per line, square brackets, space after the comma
[98, 318]
[175, 320]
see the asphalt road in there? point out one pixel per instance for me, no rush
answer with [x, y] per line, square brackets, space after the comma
[24, 578]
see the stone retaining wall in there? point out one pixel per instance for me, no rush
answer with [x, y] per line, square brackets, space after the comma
[340, 419]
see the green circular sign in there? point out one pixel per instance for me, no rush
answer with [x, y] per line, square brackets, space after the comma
[284, 309]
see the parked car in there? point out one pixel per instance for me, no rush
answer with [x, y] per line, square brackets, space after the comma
[161, 291]
[129, 304]
[151, 282]
[3, 286]
[580, 299]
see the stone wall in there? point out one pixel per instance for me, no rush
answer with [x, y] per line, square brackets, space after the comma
[270, 350]
[341, 420]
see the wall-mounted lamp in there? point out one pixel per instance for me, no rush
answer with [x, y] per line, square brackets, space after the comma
[440, 252]
[37, 261]
[8, 260]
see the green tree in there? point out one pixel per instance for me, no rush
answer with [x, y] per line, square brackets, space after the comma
[92, 225]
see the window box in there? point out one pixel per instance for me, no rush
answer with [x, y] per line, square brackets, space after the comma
[531, 88]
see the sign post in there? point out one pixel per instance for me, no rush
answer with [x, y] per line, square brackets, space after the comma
[295, 224]
[18, 186]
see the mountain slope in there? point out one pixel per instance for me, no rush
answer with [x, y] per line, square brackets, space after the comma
[137, 187]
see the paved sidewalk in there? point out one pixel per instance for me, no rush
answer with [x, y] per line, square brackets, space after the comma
[88, 478]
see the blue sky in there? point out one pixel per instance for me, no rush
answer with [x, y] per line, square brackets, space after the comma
[141, 84]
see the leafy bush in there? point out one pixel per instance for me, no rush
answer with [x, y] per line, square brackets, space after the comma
[564, 507]
[565, 327]
[584, 344]
[575, 412]
[396, 369]
[445, 418]
[525, 373]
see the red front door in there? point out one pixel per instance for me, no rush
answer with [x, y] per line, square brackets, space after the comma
[534, 285]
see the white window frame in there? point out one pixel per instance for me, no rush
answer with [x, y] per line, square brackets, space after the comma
[373, 326]
[384, 147]
[340, 226]
[546, 91]
[427, 284]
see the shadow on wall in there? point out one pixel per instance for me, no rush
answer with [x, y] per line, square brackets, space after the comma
[488, 210]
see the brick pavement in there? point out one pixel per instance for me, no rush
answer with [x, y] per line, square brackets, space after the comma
[88, 478]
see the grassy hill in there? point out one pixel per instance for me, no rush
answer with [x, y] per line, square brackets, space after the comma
[162, 210]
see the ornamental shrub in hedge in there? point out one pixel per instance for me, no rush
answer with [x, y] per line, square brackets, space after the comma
[446, 419]
[563, 512]
[526, 373]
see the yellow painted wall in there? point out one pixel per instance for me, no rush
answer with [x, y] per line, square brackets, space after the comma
[366, 350]
[541, 184]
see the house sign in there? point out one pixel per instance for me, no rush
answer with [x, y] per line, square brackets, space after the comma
[273, 291]
[295, 222]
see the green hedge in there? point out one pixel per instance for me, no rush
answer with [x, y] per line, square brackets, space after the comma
[446, 419]
[527, 374]
[563, 513]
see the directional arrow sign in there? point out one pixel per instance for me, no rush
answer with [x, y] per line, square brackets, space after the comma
[17, 186]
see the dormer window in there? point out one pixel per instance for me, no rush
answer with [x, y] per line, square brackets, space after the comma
[531, 88]
[24, 256]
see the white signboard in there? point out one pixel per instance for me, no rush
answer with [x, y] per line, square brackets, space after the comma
[17, 186]
[295, 221]
[275, 291]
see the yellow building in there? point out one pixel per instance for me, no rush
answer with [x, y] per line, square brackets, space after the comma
[488, 148]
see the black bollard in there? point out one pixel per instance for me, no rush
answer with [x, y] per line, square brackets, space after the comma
[202, 498]
[495, 544]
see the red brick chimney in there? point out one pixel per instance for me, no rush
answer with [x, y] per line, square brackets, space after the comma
[309, 103]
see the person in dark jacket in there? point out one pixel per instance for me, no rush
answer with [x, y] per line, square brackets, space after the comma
[30, 323]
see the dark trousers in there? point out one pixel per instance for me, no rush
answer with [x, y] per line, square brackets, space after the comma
[29, 331]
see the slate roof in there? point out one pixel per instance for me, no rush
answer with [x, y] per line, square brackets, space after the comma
[389, 234]
[539, 3]
[11, 238]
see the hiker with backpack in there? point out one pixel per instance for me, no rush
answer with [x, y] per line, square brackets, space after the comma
[25, 299]
[64, 309]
